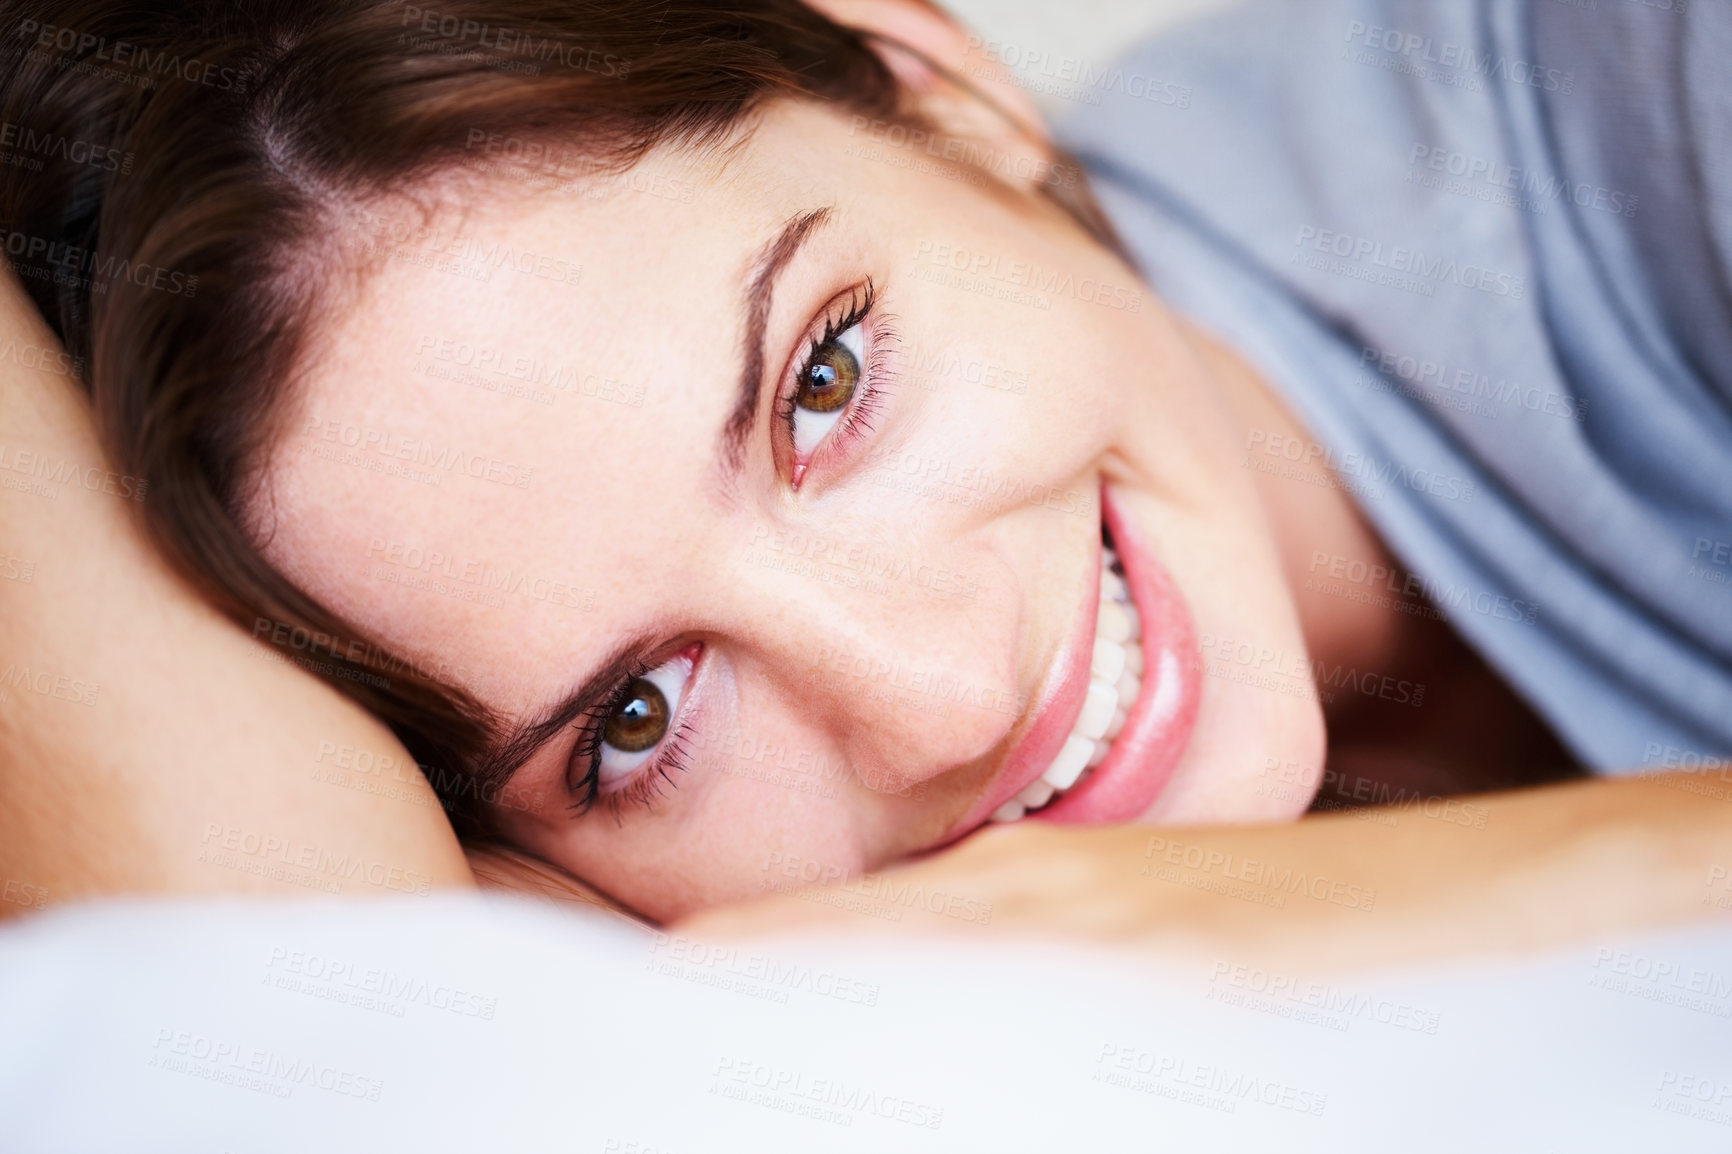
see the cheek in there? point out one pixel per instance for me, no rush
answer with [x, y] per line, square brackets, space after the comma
[1030, 377]
[996, 394]
[750, 816]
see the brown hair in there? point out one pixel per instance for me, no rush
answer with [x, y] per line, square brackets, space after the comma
[201, 161]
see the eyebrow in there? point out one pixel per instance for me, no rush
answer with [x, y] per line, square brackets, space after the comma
[772, 259]
[525, 740]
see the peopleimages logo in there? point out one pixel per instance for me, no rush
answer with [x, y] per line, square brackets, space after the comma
[787, 873]
[383, 450]
[1204, 1084]
[372, 987]
[1362, 474]
[866, 560]
[87, 53]
[59, 686]
[46, 471]
[1463, 389]
[1402, 583]
[226, 845]
[1069, 77]
[462, 32]
[1497, 174]
[978, 270]
[971, 154]
[26, 146]
[827, 1099]
[1335, 1004]
[706, 963]
[254, 1067]
[1459, 65]
[1280, 880]
[1662, 979]
[72, 266]
[1402, 267]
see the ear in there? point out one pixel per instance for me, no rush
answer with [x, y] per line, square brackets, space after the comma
[1010, 123]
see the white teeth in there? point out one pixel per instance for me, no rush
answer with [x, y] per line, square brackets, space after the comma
[1097, 710]
[1113, 586]
[1069, 763]
[1115, 679]
[1036, 794]
[1109, 661]
[1114, 622]
[1134, 659]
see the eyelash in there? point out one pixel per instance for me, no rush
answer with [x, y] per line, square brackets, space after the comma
[874, 374]
[652, 781]
[649, 782]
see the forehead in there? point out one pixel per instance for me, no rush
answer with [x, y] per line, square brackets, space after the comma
[513, 424]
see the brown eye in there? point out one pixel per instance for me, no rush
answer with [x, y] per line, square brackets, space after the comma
[827, 382]
[640, 722]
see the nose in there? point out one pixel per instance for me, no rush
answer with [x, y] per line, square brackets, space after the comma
[908, 663]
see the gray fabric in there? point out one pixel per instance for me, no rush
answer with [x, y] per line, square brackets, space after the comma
[1571, 452]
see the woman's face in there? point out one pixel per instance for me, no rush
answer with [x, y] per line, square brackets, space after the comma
[766, 494]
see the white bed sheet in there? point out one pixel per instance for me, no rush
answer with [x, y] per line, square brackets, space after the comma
[462, 1024]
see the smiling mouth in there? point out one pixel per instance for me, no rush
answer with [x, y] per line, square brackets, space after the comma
[1115, 680]
[1126, 684]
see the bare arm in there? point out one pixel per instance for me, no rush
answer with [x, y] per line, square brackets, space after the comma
[146, 744]
[1546, 866]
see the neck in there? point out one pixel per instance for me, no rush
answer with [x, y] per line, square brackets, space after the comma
[1474, 733]
[1316, 526]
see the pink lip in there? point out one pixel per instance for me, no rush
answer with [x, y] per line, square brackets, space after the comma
[1056, 709]
[1159, 723]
